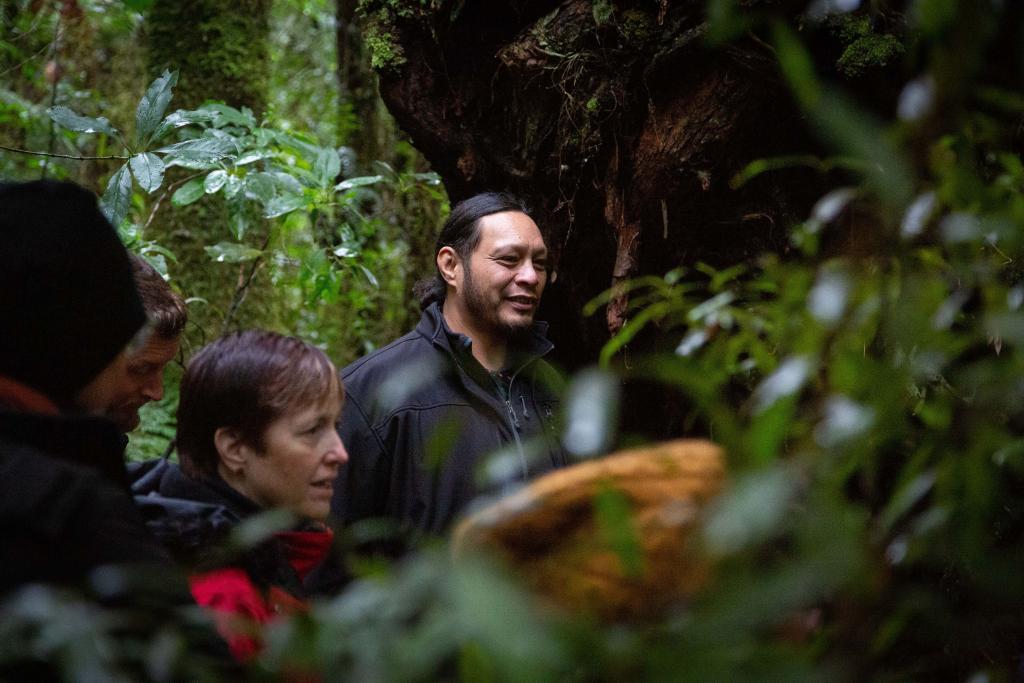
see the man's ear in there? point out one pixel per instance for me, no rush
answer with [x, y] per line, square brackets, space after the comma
[448, 264]
[232, 449]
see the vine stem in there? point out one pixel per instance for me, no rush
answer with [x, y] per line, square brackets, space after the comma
[61, 156]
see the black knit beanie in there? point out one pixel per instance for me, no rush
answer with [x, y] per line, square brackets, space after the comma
[68, 303]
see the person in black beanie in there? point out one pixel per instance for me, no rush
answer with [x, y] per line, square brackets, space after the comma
[68, 310]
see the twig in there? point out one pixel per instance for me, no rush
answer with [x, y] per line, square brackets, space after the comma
[244, 286]
[163, 196]
[61, 156]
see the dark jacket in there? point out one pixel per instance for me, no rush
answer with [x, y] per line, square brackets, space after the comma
[421, 413]
[194, 518]
[64, 504]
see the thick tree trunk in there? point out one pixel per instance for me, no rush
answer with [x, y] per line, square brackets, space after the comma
[220, 53]
[614, 118]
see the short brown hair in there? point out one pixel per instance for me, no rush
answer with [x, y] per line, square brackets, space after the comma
[245, 381]
[164, 307]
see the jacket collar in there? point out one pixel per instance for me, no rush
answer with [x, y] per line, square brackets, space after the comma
[433, 326]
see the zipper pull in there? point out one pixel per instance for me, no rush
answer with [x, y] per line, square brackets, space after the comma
[526, 413]
[512, 414]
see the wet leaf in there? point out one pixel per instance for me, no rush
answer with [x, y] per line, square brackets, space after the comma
[214, 181]
[232, 252]
[153, 105]
[188, 193]
[327, 166]
[358, 182]
[66, 118]
[148, 170]
[118, 196]
[282, 204]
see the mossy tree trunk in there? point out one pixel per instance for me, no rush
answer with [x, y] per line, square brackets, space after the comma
[220, 52]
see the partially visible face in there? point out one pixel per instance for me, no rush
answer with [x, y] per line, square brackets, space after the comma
[299, 462]
[141, 381]
[506, 273]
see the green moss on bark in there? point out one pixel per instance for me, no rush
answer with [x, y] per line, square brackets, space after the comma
[220, 53]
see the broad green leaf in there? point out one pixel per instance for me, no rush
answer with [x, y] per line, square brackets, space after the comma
[260, 186]
[327, 166]
[118, 196]
[66, 118]
[233, 186]
[180, 119]
[232, 252]
[224, 115]
[148, 169]
[189, 192]
[153, 105]
[279, 206]
[215, 180]
[357, 182]
[200, 150]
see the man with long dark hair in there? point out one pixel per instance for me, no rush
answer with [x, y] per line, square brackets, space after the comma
[470, 380]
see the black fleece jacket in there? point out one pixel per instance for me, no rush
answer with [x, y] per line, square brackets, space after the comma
[421, 414]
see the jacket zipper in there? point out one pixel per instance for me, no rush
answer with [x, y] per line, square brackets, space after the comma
[515, 426]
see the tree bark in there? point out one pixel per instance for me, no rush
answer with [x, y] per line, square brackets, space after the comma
[614, 118]
[220, 53]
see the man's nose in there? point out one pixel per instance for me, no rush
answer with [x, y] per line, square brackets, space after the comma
[154, 387]
[527, 274]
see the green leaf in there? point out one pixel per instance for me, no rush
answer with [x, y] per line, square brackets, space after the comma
[148, 169]
[189, 192]
[260, 186]
[180, 119]
[371, 278]
[66, 118]
[357, 182]
[153, 105]
[118, 196]
[327, 166]
[232, 252]
[199, 151]
[238, 224]
[279, 206]
[214, 181]
[223, 115]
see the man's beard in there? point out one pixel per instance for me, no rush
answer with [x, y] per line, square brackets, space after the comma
[486, 316]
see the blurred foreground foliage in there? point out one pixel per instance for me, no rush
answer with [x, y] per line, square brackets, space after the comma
[867, 386]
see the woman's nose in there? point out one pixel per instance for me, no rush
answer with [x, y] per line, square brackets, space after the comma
[336, 449]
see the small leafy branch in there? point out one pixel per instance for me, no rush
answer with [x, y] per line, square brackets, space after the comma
[234, 155]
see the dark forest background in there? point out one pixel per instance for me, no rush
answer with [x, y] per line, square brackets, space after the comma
[790, 226]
